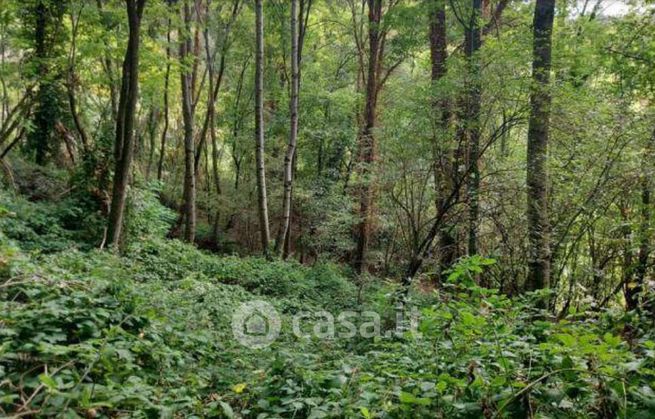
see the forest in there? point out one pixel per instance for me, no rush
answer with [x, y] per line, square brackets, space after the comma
[327, 209]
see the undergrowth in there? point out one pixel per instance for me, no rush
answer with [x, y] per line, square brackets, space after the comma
[89, 333]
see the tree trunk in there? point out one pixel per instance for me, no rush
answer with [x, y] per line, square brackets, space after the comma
[627, 268]
[108, 67]
[211, 107]
[214, 81]
[186, 80]
[259, 127]
[124, 147]
[442, 151]
[472, 121]
[643, 254]
[293, 131]
[46, 112]
[537, 154]
[167, 77]
[71, 84]
[15, 115]
[152, 125]
[367, 146]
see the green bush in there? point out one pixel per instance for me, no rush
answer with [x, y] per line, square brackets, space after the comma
[35, 226]
[69, 343]
[79, 335]
[146, 216]
[148, 334]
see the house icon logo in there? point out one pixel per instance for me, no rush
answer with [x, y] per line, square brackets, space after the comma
[256, 324]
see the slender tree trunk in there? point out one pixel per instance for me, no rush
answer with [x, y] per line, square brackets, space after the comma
[537, 154]
[442, 150]
[71, 84]
[627, 268]
[4, 105]
[211, 108]
[186, 79]
[153, 124]
[473, 43]
[367, 145]
[124, 147]
[194, 48]
[237, 122]
[215, 81]
[109, 71]
[12, 144]
[646, 213]
[15, 115]
[167, 77]
[44, 117]
[77, 120]
[293, 131]
[259, 127]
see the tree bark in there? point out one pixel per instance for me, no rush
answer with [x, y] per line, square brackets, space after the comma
[108, 67]
[71, 84]
[48, 17]
[15, 115]
[367, 146]
[215, 82]
[186, 80]
[646, 213]
[124, 146]
[293, 131]
[537, 153]
[167, 77]
[442, 158]
[211, 108]
[472, 121]
[259, 127]
[152, 125]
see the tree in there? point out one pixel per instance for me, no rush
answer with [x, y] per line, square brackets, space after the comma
[537, 154]
[186, 81]
[213, 88]
[264, 229]
[366, 153]
[108, 65]
[44, 27]
[167, 77]
[72, 82]
[442, 158]
[124, 143]
[293, 130]
[634, 290]
[473, 42]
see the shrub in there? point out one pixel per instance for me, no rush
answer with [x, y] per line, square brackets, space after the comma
[146, 216]
[34, 226]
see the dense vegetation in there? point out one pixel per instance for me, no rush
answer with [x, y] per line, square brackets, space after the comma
[486, 164]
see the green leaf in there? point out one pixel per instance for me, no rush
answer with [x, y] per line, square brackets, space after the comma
[611, 339]
[48, 381]
[227, 409]
[409, 398]
[566, 339]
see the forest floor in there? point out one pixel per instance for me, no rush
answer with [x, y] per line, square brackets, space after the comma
[88, 333]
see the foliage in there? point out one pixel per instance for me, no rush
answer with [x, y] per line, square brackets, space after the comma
[146, 332]
[37, 227]
[94, 333]
[146, 215]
